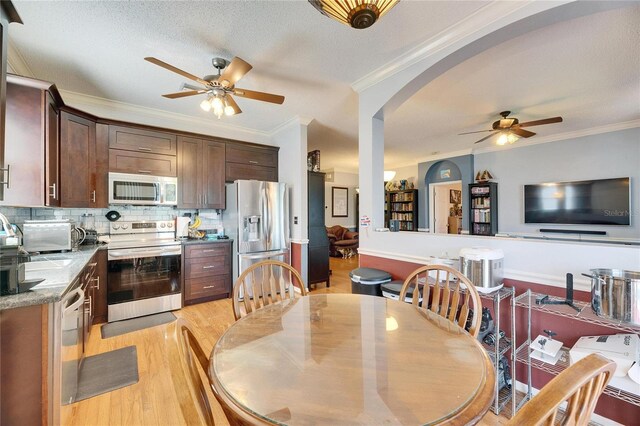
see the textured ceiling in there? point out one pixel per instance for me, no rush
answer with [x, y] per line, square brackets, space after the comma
[585, 70]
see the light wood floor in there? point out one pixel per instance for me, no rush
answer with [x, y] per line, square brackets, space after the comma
[151, 401]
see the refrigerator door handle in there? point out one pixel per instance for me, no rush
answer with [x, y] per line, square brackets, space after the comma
[265, 254]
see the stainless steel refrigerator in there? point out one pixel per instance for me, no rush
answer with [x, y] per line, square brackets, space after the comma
[257, 218]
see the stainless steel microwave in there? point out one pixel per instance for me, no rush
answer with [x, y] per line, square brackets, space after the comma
[142, 190]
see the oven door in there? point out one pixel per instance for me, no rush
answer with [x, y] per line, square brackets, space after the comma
[143, 281]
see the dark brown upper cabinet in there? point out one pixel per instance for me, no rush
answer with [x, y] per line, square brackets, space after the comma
[8, 14]
[142, 140]
[245, 161]
[82, 162]
[32, 143]
[201, 173]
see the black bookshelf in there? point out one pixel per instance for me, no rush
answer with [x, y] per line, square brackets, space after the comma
[402, 206]
[483, 208]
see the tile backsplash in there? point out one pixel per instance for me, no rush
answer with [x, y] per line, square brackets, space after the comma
[18, 215]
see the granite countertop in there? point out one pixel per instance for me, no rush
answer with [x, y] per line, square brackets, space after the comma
[59, 272]
[204, 241]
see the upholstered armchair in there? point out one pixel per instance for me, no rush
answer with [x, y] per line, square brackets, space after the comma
[342, 241]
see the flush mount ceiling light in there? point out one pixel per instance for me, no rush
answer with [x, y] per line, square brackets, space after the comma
[358, 14]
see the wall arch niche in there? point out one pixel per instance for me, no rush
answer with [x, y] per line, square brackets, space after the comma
[459, 169]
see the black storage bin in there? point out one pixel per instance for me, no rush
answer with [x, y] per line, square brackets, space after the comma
[368, 281]
[392, 290]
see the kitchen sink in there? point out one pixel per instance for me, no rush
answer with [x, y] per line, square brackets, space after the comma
[42, 265]
[56, 272]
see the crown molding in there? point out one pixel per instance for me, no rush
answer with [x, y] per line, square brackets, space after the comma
[607, 128]
[17, 62]
[481, 21]
[118, 110]
[296, 120]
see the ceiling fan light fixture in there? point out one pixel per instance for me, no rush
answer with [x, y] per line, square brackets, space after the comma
[358, 14]
[206, 105]
[228, 109]
[507, 138]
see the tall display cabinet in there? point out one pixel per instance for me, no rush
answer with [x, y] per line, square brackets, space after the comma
[318, 240]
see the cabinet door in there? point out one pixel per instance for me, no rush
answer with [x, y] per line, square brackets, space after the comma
[52, 153]
[77, 139]
[142, 163]
[100, 288]
[213, 170]
[189, 172]
[255, 156]
[235, 171]
[100, 168]
[140, 140]
[24, 151]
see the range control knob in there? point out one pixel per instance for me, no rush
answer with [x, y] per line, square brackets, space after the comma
[162, 225]
[125, 226]
[115, 226]
[170, 225]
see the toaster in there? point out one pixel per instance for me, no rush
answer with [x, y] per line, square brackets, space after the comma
[48, 235]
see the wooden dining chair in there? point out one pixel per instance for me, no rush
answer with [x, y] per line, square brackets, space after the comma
[185, 355]
[580, 385]
[446, 292]
[265, 283]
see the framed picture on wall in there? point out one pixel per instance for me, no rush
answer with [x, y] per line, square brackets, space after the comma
[339, 204]
[455, 196]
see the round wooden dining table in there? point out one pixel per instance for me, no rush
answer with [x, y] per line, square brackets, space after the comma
[350, 359]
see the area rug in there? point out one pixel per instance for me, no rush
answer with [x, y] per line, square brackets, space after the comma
[127, 326]
[107, 372]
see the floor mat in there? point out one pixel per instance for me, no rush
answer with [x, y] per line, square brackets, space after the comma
[127, 326]
[107, 371]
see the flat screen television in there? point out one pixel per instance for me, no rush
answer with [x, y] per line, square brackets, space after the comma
[587, 202]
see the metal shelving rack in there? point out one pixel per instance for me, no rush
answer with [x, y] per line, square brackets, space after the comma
[523, 352]
[501, 346]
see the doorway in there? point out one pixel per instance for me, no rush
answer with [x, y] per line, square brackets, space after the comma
[445, 207]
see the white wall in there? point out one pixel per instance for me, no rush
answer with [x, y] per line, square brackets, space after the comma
[343, 180]
[410, 173]
[607, 155]
[292, 169]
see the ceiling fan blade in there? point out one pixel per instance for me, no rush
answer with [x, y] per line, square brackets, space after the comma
[232, 103]
[259, 96]
[487, 137]
[170, 67]
[521, 132]
[189, 86]
[234, 72]
[183, 94]
[540, 122]
[479, 131]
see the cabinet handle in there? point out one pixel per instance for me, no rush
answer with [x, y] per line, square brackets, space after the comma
[141, 148]
[90, 313]
[208, 251]
[145, 172]
[208, 267]
[253, 162]
[93, 196]
[205, 199]
[97, 280]
[8, 181]
[53, 191]
[208, 286]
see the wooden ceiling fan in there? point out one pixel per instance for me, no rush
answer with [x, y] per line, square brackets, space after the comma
[220, 87]
[511, 129]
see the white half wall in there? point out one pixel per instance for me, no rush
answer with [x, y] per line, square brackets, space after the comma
[292, 170]
[538, 261]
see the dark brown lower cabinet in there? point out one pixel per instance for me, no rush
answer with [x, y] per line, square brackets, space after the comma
[99, 307]
[206, 271]
[24, 351]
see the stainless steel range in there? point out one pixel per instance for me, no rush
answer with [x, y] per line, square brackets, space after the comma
[144, 269]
